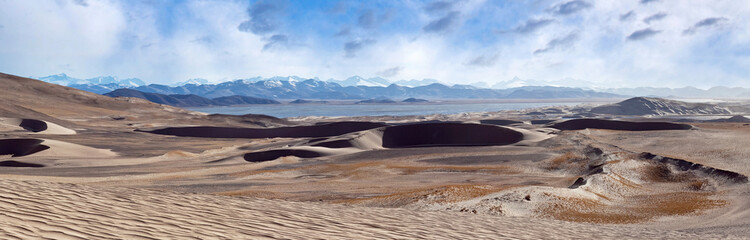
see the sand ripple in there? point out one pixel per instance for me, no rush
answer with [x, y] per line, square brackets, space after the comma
[70, 211]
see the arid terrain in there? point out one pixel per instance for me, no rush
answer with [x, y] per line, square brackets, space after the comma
[79, 165]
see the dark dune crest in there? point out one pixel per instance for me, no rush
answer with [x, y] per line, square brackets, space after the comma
[580, 124]
[342, 143]
[257, 119]
[448, 134]
[33, 125]
[684, 165]
[323, 130]
[21, 147]
[274, 154]
[542, 121]
[11, 163]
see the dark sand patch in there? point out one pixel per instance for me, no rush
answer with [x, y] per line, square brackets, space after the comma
[499, 122]
[323, 130]
[274, 154]
[21, 147]
[580, 124]
[11, 163]
[489, 159]
[542, 121]
[448, 134]
[33, 125]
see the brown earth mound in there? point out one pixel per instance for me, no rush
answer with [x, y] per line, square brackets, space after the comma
[737, 118]
[684, 165]
[274, 154]
[21, 147]
[323, 130]
[448, 134]
[580, 124]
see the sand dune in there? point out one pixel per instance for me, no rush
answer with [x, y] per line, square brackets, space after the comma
[580, 124]
[36, 126]
[41, 151]
[501, 122]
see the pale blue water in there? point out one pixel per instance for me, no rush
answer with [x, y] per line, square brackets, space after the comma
[331, 110]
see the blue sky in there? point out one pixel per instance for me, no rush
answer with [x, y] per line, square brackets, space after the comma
[609, 43]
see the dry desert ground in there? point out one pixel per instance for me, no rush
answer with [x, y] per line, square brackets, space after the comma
[77, 165]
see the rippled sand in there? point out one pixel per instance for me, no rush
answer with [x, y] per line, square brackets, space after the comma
[69, 211]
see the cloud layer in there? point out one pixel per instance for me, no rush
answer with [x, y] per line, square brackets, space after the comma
[612, 43]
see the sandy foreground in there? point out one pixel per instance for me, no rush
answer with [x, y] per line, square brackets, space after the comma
[71, 211]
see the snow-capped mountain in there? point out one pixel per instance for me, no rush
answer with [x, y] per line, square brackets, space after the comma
[61, 79]
[65, 80]
[566, 82]
[104, 80]
[415, 82]
[193, 81]
[517, 82]
[102, 84]
[360, 81]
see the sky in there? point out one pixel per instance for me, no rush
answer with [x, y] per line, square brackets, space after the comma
[617, 43]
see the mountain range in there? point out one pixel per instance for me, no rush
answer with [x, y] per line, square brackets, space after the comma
[356, 87]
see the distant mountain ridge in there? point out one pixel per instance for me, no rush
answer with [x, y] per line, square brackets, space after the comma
[189, 100]
[107, 84]
[316, 89]
[299, 88]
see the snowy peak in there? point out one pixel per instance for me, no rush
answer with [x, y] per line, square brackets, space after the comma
[62, 79]
[517, 82]
[65, 80]
[416, 83]
[360, 81]
[192, 81]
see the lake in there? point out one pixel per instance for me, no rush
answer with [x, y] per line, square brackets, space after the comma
[393, 109]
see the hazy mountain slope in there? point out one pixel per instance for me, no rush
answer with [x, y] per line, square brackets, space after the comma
[189, 100]
[29, 98]
[658, 106]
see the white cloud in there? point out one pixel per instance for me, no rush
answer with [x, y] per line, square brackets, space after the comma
[124, 38]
